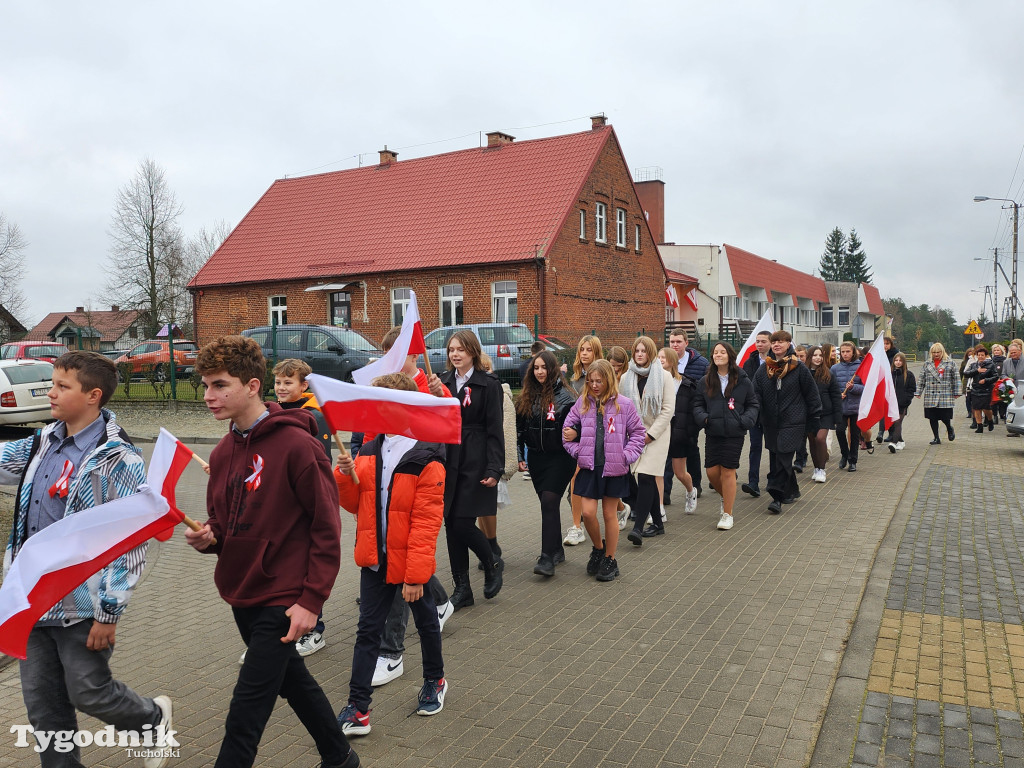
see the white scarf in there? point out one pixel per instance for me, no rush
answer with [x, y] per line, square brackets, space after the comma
[650, 405]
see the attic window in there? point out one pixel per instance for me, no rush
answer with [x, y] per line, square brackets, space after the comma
[601, 223]
[636, 237]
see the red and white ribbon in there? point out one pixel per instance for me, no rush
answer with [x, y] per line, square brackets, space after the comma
[252, 482]
[467, 398]
[551, 412]
[611, 425]
[60, 488]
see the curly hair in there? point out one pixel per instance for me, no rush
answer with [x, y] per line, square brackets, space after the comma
[239, 356]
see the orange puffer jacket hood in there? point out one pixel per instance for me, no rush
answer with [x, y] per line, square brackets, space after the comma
[414, 515]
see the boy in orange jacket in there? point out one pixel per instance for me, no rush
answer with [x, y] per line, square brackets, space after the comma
[399, 508]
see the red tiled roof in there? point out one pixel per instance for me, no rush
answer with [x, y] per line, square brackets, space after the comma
[473, 206]
[679, 277]
[111, 325]
[874, 299]
[750, 269]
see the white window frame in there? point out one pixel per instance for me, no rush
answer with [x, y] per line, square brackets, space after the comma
[448, 300]
[620, 227]
[636, 237]
[601, 223]
[504, 301]
[400, 298]
[583, 224]
[827, 309]
[277, 306]
[839, 316]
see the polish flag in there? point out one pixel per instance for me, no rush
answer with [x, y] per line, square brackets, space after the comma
[409, 342]
[356, 408]
[878, 400]
[766, 323]
[671, 297]
[691, 299]
[70, 551]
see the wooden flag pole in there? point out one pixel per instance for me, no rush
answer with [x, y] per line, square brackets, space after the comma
[194, 525]
[426, 364]
[203, 464]
[345, 453]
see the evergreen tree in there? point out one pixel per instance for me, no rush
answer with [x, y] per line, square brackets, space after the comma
[855, 263]
[834, 258]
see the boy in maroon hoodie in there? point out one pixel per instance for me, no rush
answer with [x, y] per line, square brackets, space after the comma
[275, 527]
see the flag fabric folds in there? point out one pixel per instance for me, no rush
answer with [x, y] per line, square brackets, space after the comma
[766, 323]
[878, 400]
[691, 299]
[65, 554]
[355, 408]
[409, 342]
[671, 297]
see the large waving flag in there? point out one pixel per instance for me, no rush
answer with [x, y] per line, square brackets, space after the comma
[409, 342]
[878, 400]
[356, 408]
[766, 323]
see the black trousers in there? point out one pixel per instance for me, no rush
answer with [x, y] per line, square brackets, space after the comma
[754, 455]
[848, 449]
[781, 477]
[375, 599]
[393, 642]
[647, 502]
[462, 535]
[273, 669]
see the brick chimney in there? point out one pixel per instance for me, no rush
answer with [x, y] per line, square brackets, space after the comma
[598, 121]
[114, 308]
[497, 139]
[388, 156]
[652, 200]
[79, 309]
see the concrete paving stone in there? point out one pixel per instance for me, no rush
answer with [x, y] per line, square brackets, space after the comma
[870, 733]
[764, 755]
[926, 760]
[956, 737]
[1014, 747]
[985, 753]
[866, 753]
[984, 734]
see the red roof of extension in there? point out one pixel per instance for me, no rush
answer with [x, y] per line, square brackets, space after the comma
[111, 325]
[474, 206]
[753, 270]
[679, 277]
[874, 299]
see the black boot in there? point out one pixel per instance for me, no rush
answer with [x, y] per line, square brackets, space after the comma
[981, 428]
[990, 424]
[949, 433]
[492, 577]
[463, 594]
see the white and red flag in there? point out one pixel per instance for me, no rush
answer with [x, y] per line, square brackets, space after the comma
[691, 299]
[766, 323]
[671, 297]
[355, 408]
[409, 342]
[65, 554]
[878, 400]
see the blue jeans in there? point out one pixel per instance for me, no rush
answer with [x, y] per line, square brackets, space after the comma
[61, 675]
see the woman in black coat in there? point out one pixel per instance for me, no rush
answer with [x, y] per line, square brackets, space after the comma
[725, 407]
[906, 387]
[831, 416]
[540, 413]
[474, 467]
[983, 373]
[789, 400]
[683, 437]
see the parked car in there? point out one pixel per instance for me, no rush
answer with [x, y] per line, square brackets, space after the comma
[32, 350]
[329, 350]
[23, 388]
[507, 344]
[113, 354]
[1015, 411]
[153, 355]
[555, 344]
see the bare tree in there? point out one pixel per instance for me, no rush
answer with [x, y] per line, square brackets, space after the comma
[12, 254]
[196, 252]
[144, 266]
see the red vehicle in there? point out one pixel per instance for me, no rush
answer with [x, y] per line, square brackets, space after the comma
[153, 356]
[32, 350]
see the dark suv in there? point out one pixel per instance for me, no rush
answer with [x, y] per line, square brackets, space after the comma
[507, 344]
[329, 350]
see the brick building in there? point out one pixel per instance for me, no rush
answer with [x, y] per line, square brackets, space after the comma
[548, 231]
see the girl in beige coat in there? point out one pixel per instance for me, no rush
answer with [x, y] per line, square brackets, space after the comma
[653, 392]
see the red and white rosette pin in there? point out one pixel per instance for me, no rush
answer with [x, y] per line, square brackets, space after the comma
[253, 481]
[60, 488]
[611, 425]
[467, 398]
[551, 412]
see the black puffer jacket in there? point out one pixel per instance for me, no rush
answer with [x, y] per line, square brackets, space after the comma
[831, 403]
[537, 431]
[684, 428]
[984, 376]
[787, 405]
[713, 414]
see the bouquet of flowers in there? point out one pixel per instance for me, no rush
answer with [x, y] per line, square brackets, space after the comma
[1004, 391]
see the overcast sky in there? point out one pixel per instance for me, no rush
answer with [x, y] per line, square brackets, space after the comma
[772, 122]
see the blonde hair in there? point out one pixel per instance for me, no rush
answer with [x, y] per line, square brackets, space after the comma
[620, 356]
[672, 359]
[292, 367]
[395, 381]
[485, 362]
[595, 347]
[937, 347]
[611, 389]
[648, 345]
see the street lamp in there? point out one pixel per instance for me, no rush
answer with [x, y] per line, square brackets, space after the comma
[1013, 281]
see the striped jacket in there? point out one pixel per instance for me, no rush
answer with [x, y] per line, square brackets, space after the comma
[111, 470]
[939, 387]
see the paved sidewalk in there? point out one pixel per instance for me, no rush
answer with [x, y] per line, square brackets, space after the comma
[712, 649]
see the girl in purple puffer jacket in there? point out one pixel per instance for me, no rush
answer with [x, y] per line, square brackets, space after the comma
[605, 434]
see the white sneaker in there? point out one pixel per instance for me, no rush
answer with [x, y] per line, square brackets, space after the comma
[444, 612]
[526, 475]
[388, 669]
[241, 659]
[623, 515]
[161, 751]
[573, 536]
[818, 476]
[724, 522]
[691, 502]
[664, 516]
[310, 643]
[900, 445]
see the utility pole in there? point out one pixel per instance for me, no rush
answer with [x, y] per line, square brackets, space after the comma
[1013, 279]
[995, 286]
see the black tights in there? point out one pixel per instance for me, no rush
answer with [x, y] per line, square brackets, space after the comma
[550, 522]
[935, 427]
[463, 535]
[819, 448]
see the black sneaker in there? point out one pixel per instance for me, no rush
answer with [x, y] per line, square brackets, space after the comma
[352, 761]
[635, 537]
[892, 447]
[775, 508]
[753, 490]
[950, 434]
[666, 500]
[609, 570]
[699, 490]
[545, 566]
[558, 557]
[798, 467]
[653, 530]
[594, 564]
[852, 467]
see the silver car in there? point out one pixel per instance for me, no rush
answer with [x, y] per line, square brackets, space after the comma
[507, 344]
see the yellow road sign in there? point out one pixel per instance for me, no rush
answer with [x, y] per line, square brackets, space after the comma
[972, 328]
